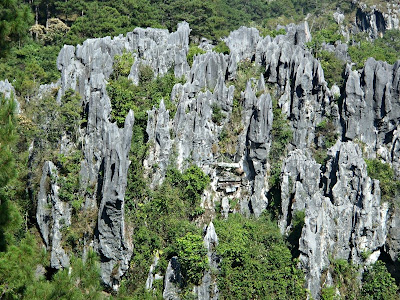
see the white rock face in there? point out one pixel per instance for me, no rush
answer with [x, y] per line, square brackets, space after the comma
[8, 91]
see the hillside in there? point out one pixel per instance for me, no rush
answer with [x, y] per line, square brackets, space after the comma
[195, 160]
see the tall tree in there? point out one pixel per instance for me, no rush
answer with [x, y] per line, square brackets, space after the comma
[7, 137]
[15, 19]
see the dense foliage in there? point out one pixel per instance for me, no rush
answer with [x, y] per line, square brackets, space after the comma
[376, 284]
[390, 187]
[256, 260]
[140, 98]
[386, 48]
[256, 263]
[15, 18]
[281, 136]
[161, 221]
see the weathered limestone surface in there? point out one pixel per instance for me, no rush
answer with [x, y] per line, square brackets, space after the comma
[344, 214]
[86, 69]
[376, 19]
[7, 90]
[52, 216]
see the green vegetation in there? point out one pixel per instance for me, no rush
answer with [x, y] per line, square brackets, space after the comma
[29, 66]
[221, 47]
[281, 136]
[193, 50]
[272, 33]
[26, 255]
[217, 114]
[162, 222]
[295, 233]
[329, 35]
[80, 282]
[390, 187]
[234, 126]
[344, 275]
[386, 48]
[7, 138]
[192, 256]
[378, 283]
[325, 137]
[69, 167]
[256, 263]
[333, 68]
[15, 19]
[122, 65]
[125, 95]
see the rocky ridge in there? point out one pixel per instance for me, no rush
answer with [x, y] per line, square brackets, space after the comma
[344, 214]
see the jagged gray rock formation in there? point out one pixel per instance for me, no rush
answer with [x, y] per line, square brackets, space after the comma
[85, 69]
[258, 143]
[173, 280]
[7, 90]
[344, 216]
[112, 238]
[371, 107]
[160, 49]
[208, 290]
[151, 278]
[53, 215]
[195, 135]
[376, 19]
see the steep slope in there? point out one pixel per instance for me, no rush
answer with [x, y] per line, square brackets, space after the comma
[225, 123]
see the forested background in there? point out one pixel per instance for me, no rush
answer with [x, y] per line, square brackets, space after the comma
[33, 32]
[31, 36]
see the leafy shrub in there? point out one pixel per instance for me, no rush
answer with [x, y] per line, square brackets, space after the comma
[390, 187]
[230, 133]
[194, 182]
[80, 282]
[327, 130]
[326, 136]
[333, 68]
[295, 233]
[29, 66]
[221, 47]
[192, 256]
[233, 127]
[378, 283]
[122, 64]
[146, 73]
[17, 267]
[161, 218]
[386, 49]
[69, 167]
[328, 35]
[217, 114]
[345, 277]
[255, 261]
[124, 95]
[193, 50]
[272, 33]
[8, 137]
[281, 136]
[70, 113]
[329, 293]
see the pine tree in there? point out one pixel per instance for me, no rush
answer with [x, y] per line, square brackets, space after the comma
[7, 138]
[15, 19]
